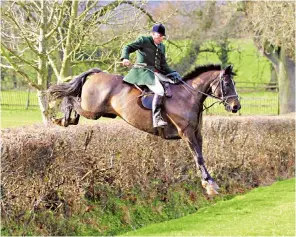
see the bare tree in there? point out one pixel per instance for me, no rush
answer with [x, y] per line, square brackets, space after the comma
[272, 25]
[56, 36]
[209, 26]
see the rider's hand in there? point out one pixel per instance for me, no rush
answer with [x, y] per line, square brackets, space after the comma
[174, 77]
[126, 62]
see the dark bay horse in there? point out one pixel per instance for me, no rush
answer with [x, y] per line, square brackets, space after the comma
[104, 94]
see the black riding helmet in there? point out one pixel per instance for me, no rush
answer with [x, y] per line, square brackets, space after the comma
[159, 28]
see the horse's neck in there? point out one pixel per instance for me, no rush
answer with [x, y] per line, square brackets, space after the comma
[203, 82]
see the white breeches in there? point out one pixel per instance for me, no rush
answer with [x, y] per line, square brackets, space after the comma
[157, 88]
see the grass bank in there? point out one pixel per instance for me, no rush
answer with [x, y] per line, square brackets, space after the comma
[265, 211]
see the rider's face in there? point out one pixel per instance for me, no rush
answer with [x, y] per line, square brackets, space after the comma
[157, 38]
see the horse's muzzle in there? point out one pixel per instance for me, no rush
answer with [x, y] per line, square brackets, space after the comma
[233, 108]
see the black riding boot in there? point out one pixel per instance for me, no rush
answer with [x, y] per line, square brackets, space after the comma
[156, 111]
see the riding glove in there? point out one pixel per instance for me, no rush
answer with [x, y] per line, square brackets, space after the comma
[175, 77]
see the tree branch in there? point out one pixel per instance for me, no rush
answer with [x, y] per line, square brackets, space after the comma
[53, 65]
[6, 66]
[141, 9]
[18, 70]
[60, 18]
[17, 56]
[22, 33]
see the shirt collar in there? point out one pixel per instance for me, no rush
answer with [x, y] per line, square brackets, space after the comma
[152, 41]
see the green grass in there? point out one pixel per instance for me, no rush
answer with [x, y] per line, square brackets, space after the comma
[19, 117]
[12, 117]
[265, 211]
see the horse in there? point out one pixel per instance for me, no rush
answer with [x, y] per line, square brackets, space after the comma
[107, 95]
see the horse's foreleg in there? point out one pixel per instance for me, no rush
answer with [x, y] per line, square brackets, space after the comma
[194, 142]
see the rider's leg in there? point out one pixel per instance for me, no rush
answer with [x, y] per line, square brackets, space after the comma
[166, 83]
[157, 102]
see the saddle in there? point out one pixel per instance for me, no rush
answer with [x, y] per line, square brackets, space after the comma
[147, 95]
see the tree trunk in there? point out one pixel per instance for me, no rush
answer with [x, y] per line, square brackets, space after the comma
[42, 69]
[14, 80]
[273, 82]
[286, 78]
[285, 70]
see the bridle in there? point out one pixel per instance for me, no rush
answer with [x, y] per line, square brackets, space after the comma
[219, 81]
[223, 99]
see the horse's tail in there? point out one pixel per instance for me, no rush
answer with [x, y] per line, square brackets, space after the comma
[72, 88]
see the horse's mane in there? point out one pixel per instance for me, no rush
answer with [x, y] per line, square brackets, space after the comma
[201, 69]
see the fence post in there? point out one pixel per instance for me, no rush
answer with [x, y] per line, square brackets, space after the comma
[28, 99]
[278, 99]
[240, 100]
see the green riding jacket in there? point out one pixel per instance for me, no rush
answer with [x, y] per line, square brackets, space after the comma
[149, 53]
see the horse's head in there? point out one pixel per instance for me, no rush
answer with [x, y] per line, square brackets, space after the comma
[224, 88]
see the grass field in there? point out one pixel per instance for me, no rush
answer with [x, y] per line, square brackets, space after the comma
[19, 117]
[16, 118]
[265, 211]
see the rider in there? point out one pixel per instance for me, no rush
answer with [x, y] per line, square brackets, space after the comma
[151, 52]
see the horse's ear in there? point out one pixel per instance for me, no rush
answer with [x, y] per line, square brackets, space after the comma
[228, 69]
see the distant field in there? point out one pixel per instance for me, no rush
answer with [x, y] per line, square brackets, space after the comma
[253, 103]
[18, 99]
[249, 65]
[14, 114]
[16, 118]
[19, 117]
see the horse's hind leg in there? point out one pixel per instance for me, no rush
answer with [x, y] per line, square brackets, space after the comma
[57, 121]
[67, 116]
[64, 122]
[75, 120]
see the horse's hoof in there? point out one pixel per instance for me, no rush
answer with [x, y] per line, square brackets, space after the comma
[211, 191]
[211, 188]
[56, 121]
[204, 183]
